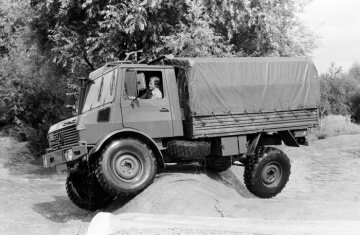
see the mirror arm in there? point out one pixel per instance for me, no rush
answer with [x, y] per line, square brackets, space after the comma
[133, 102]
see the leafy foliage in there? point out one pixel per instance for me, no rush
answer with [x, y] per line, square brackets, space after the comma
[32, 88]
[92, 32]
[197, 39]
[354, 74]
[354, 71]
[340, 94]
[11, 24]
[35, 97]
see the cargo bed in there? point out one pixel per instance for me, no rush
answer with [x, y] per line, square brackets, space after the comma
[238, 96]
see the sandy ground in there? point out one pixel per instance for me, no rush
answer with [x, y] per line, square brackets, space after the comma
[32, 199]
[321, 196]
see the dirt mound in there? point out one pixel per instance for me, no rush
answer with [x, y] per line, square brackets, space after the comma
[195, 193]
[324, 184]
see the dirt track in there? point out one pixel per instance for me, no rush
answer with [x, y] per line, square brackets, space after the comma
[324, 185]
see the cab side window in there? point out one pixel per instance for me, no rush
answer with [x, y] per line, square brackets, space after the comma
[144, 84]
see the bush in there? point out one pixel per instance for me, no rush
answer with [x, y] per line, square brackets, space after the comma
[340, 92]
[355, 105]
[334, 125]
[36, 92]
[336, 92]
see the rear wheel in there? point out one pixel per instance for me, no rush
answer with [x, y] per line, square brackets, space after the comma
[126, 166]
[267, 172]
[85, 192]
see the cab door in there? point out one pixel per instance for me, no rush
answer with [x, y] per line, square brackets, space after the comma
[151, 116]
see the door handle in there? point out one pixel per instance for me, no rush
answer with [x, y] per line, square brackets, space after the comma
[164, 110]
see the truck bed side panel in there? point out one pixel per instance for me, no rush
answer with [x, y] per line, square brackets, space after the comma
[247, 123]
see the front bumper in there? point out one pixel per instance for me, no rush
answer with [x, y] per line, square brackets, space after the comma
[58, 157]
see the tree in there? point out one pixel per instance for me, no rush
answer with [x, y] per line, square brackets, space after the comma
[12, 29]
[354, 71]
[11, 25]
[354, 74]
[197, 39]
[91, 32]
[33, 89]
[261, 28]
[336, 91]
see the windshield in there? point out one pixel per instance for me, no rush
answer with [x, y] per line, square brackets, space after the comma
[100, 91]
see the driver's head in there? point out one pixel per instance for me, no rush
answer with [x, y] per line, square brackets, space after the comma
[154, 83]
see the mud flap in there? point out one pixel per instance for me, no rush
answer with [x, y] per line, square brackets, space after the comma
[288, 138]
[254, 144]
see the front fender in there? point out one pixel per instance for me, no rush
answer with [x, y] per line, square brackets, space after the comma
[129, 132]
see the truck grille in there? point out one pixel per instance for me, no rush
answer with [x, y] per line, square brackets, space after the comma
[65, 137]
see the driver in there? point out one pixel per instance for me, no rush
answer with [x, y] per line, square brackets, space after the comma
[153, 91]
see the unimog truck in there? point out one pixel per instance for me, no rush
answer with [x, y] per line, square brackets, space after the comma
[214, 111]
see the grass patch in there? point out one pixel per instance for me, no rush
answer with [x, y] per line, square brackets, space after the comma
[15, 153]
[16, 157]
[334, 125]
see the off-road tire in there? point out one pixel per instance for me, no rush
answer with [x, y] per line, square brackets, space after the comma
[126, 166]
[85, 192]
[188, 150]
[217, 163]
[267, 172]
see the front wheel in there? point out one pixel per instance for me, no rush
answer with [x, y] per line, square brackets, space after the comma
[126, 166]
[267, 172]
[85, 192]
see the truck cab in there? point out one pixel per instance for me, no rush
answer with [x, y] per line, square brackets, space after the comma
[112, 105]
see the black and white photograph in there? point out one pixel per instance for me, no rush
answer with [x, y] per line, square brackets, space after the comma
[164, 117]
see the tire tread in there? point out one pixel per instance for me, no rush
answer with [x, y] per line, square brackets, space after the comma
[84, 203]
[252, 165]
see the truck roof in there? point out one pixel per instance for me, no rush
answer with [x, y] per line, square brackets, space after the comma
[112, 65]
[238, 59]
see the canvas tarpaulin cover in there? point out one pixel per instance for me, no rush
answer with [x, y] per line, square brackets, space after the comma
[237, 85]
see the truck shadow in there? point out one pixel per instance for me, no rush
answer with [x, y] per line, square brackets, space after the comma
[227, 177]
[118, 203]
[234, 181]
[192, 168]
[61, 210]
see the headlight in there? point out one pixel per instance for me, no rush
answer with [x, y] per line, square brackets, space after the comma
[51, 137]
[80, 127]
[69, 155]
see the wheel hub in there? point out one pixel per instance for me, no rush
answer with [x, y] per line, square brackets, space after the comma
[271, 175]
[127, 166]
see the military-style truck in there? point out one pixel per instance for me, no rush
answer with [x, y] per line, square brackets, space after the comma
[215, 111]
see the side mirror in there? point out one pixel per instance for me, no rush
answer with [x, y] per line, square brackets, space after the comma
[130, 85]
[141, 82]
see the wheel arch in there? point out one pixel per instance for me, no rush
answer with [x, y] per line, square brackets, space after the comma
[263, 138]
[126, 133]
